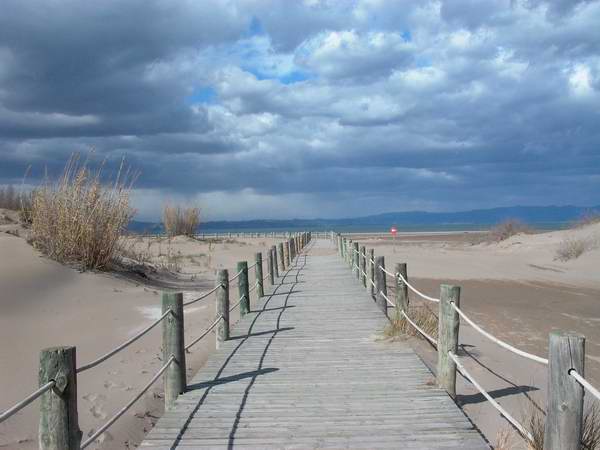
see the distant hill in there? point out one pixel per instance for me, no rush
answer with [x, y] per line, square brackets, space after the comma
[538, 216]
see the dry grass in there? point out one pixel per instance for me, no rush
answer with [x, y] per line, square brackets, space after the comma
[572, 248]
[180, 221]
[505, 439]
[506, 229]
[535, 422]
[78, 219]
[421, 315]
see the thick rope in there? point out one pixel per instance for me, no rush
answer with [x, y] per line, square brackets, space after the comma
[195, 341]
[498, 341]
[237, 303]
[494, 403]
[585, 383]
[236, 275]
[26, 401]
[414, 289]
[391, 303]
[203, 296]
[123, 410]
[124, 344]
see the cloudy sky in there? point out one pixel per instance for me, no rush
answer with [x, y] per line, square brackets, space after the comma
[314, 108]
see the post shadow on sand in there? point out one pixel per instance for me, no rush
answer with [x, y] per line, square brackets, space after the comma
[498, 393]
[253, 375]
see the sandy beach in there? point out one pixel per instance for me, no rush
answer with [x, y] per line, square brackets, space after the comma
[47, 304]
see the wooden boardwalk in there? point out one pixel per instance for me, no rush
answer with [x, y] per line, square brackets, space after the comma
[305, 370]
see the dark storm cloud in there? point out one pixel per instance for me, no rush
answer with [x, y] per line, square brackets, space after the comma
[335, 107]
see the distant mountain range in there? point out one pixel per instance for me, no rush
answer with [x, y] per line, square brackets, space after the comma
[537, 216]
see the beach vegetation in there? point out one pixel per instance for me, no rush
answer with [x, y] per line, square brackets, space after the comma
[422, 315]
[506, 229]
[572, 248]
[181, 220]
[78, 219]
[535, 421]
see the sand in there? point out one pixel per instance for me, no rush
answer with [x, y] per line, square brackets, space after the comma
[516, 290]
[46, 304]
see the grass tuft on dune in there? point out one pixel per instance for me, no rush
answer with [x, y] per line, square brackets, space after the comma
[78, 219]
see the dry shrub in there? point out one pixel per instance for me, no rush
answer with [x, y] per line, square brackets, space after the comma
[504, 439]
[79, 220]
[421, 315]
[572, 248]
[180, 221]
[590, 440]
[507, 229]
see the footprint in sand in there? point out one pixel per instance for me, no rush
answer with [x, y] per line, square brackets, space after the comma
[93, 397]
[98, 412]
[111, 385]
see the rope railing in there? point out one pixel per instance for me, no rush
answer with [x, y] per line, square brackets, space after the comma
[123, 410]
[520, 428]
[391, 303]
[125, 344]
[208, 330]
[411, 287]
[236, 275]
[253, 286]
[236, 304]
[203, 296]
[586, 384]
[498, 341]
[26, 401]
[416, 291]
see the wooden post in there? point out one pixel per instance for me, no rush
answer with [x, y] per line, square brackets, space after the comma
[223, 306]
[59, 423]
[173, 344]
[243, 288]
[281, 258]
[363, 265]
[448, 338]
[288, 260]
[401, 290]
[275, 265]
[564, 416]
[355, 260]
[270, 267]
[350, 255]
[258, 273]
[381, 284]
[340, 245]
[371, 256]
